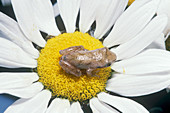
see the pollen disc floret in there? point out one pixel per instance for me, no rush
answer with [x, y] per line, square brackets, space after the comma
[65, 85]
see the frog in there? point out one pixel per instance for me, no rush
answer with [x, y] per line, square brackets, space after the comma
[76, 60]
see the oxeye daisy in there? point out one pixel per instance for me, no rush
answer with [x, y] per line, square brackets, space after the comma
[49, 88]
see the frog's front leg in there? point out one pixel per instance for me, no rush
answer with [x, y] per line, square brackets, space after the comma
[72, 49]
[89, 72]
[69, 68]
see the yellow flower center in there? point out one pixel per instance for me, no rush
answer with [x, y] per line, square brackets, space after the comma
[65, 85]
[130, 2]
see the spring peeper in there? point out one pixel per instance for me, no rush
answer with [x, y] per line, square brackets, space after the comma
[75, 59]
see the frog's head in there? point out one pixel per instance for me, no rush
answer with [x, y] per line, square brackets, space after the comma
[111, 57]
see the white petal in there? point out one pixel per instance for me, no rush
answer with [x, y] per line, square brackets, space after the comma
[158, 43]
[25, 92]
[138, 4]
[13, 56]
[24, 13]
[149, 61]
[87, 15]
[100, 107]
[44, 16]
[58, 106]
[130, 23]
[106, 14]
[11, 31]
[56, 10]
[76, 108]
[123, 104]
[69, 11]
[130, 85]
[151, 32]
[165, 9]
[16, 80]
[37, 104]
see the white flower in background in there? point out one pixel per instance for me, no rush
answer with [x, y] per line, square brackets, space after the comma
[165, 9]
[138, 71]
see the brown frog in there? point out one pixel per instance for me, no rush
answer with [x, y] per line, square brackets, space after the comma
[75, 59]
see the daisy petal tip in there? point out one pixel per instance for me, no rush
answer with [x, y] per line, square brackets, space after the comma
[42, 44]
[76, 108]
[100, 95]
[35, 75]
[39, 84]
[47, 93]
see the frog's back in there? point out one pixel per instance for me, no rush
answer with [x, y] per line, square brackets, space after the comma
[88, 59]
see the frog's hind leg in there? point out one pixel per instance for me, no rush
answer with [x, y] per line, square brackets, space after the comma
[72, 49]
[70, 69]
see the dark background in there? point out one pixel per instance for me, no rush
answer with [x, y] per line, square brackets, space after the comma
[155, 103]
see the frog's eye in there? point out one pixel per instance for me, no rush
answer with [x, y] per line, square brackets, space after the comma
[108, 64]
